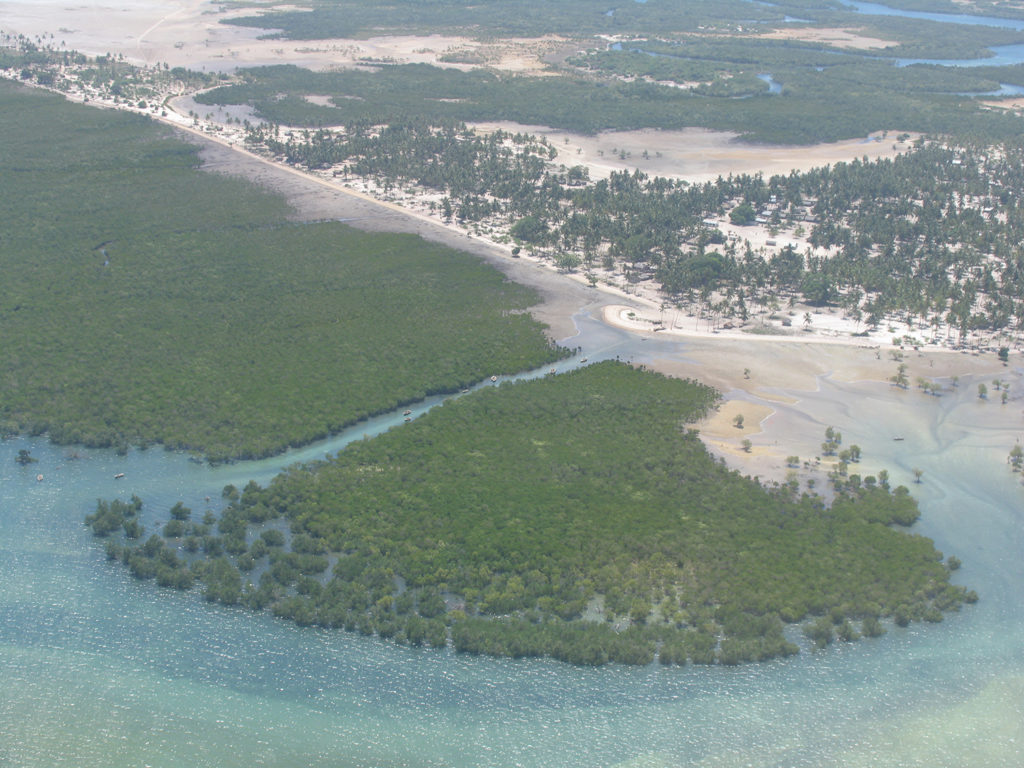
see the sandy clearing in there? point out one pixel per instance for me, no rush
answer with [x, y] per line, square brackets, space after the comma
[840, 37]
[721, 425]
[698, 155]
[1009, 104]
[765, 382]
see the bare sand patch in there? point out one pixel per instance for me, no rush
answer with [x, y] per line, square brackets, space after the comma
[319, 100]
[1008, 104]
[721, 425]
[764, 382]
[776, 367]
[522, 55]
[752, 448]
[840, 37]
[696, 154]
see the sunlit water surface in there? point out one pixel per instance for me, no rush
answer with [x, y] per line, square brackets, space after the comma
[100, 670]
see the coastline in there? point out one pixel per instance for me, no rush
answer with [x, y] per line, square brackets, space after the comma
[756, 374]
[317, 199]
[949, 694]
[756, 364]
[779, 386]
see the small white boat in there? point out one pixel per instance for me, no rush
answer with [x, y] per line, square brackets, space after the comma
[119, 475]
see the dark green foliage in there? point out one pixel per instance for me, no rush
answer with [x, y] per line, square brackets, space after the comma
[354, 18]
[180, 512]
[152, 559]
[398, 94]
[222, 581]
[742, 214]
[113, 516]
[872, 627]
[174, 529]
[849, 99]
[130, 279]
[577, 643]
[272, 538]
[846, 632]
[820, 631]
[527, 505]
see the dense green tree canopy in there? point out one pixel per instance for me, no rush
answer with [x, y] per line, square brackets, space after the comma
[144, 301]
[575, 516]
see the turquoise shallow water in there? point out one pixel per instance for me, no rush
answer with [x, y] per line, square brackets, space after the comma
[99, 670]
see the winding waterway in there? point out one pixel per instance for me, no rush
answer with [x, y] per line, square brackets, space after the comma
[877, 9]
[100, 670]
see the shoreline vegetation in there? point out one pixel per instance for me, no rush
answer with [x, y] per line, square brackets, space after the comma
[147, 302]
[924, 241]
[748, 253]
[726, 261]
[574, 516]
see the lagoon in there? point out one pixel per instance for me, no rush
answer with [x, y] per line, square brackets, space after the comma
[100, 670]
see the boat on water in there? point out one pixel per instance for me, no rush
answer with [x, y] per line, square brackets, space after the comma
[119, 475]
